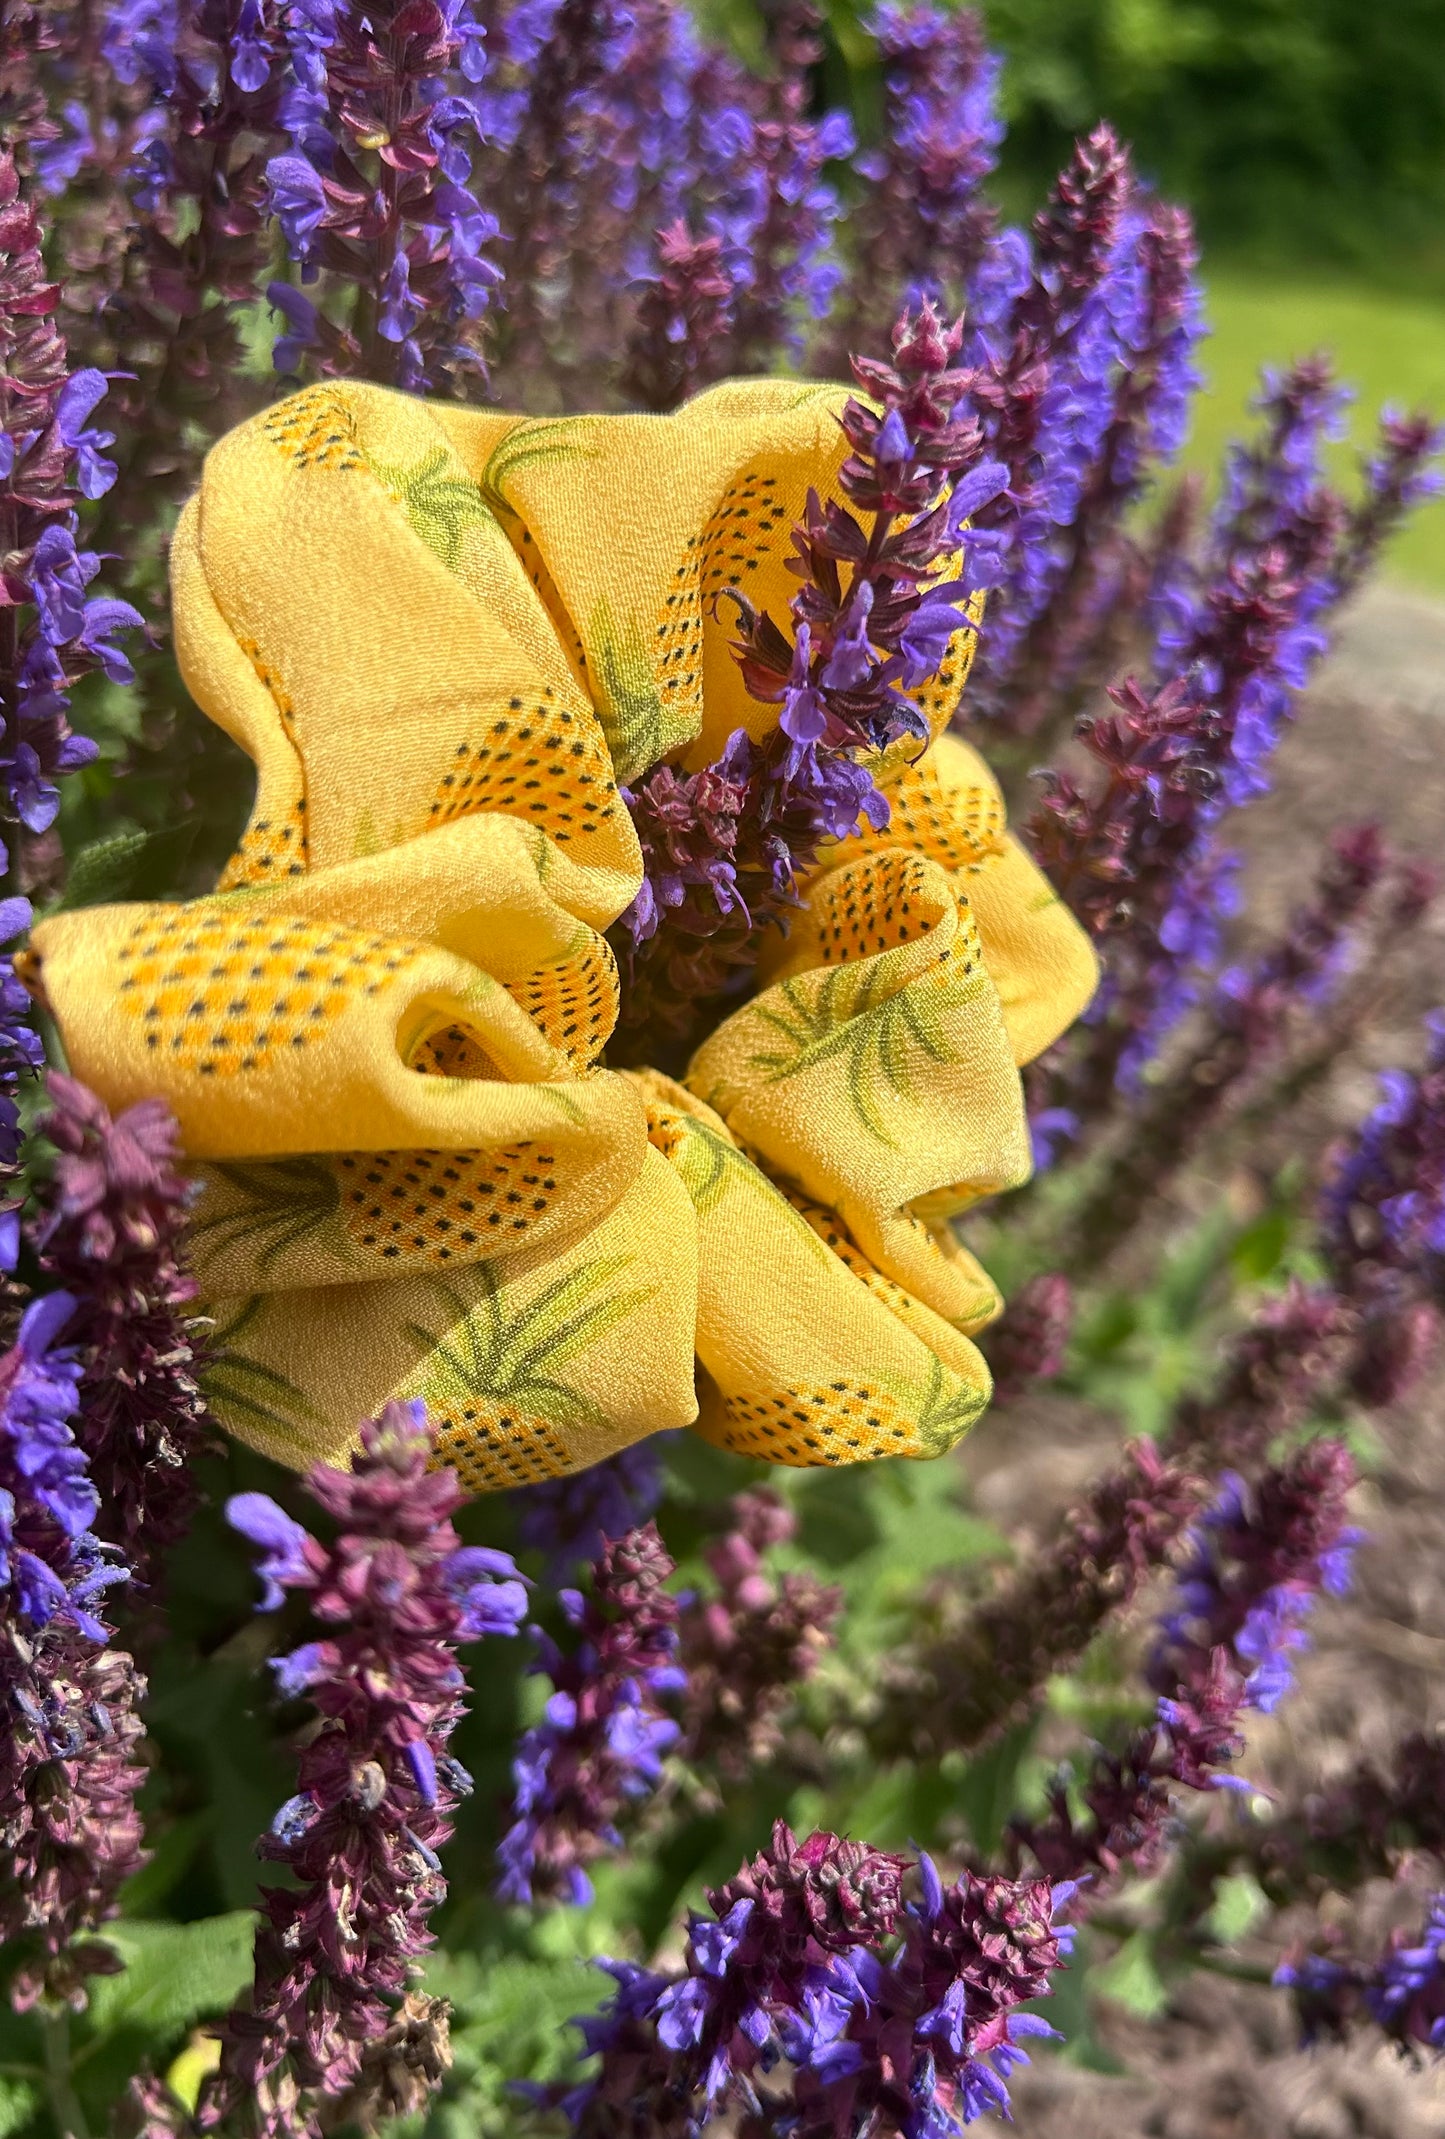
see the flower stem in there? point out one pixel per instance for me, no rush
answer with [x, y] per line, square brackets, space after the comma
[59, 2087]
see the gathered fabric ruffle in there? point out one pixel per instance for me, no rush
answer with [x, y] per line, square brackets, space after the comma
[447, 638]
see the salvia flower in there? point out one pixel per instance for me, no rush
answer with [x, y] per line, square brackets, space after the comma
[1402, 1992]
[923, 221]
[51, 455]
[1289, 1525]
[1044, 384]
[974, 1667]
[21, 1058]
[112, 1234]
[1252, 1011]
[391, 1599]
[1093, 568]
[569, 1520]
[1384, 1211]
[1031, 1340]
[1383, 1225]
[677, 2048]
[797, 1960]
[683, 317]
[603, 1732]
[1223, 1647]
[924, 2043]
[1403, 470]
[68, 1772]
[779, 255]
[195, 90]
[747, 1647]
[872, 620]
[374, 192]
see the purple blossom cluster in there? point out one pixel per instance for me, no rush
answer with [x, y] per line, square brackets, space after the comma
[1031, 1341]
[391, 1599]
[171, 220]
[1084, 377]
[53, 455]
[779, 226]
[1402, 1992]
[924, 222]
[112, 1234]
[1287, 1527]
[68, 1771]
[792, 1961]
[1245, 1025]
[884, 589]
[569, 1520]
[1258, 1561]
[971, 1672]
[1383, 1224]
[372, 190]
[603, 1733]
[684, 314]
[748, 1646]
[1385, 1206]
[1237, 629]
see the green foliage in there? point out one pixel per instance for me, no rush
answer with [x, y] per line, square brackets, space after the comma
[1293, 131]
[510, 2015]
[515, 1978]
[174, 1976]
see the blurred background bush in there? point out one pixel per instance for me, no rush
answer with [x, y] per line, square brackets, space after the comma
[1308, 139]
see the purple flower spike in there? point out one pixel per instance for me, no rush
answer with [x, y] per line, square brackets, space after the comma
[112, 1230]
[394, 1596]
[1258, 1560]
[892, 2019]
[79, 397]
[67, 1761]
[602, 1737]
[723, 848]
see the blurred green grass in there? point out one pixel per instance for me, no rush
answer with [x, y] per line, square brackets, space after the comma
[1387, 348]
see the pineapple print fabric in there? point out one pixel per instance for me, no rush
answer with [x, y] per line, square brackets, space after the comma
[447, 638]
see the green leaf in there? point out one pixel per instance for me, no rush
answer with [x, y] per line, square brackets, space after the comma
[509, 2022]
[175, 1974]
[1239, 1903]
[837, 1524]
[1134, 1978]
[128, 865]
[1070, 2010]
[990, 1790]
[19, 2102]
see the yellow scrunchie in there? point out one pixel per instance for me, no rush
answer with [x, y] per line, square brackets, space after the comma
[445, 636]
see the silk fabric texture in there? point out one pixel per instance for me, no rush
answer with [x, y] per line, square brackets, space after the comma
[447, 637]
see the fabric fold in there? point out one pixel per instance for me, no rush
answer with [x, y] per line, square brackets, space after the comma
[447, 637]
